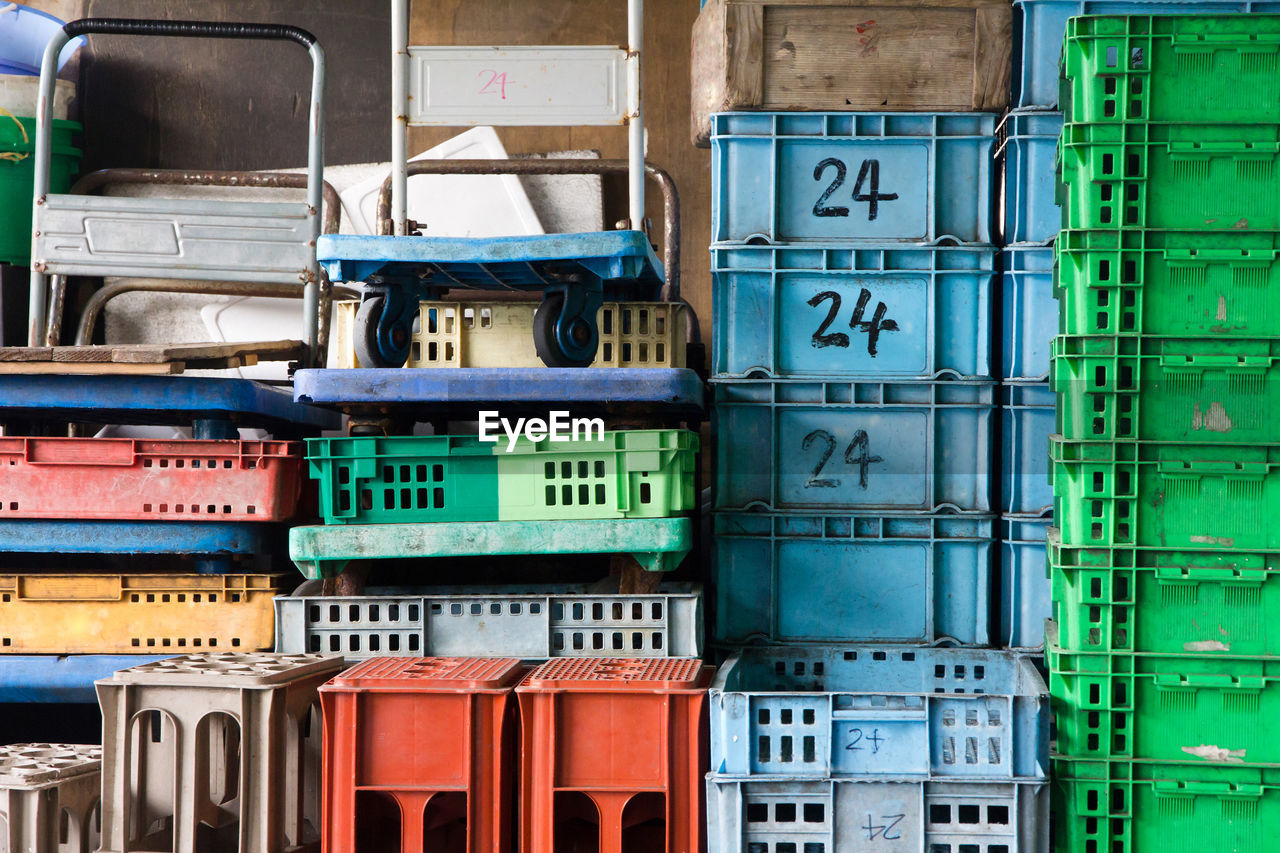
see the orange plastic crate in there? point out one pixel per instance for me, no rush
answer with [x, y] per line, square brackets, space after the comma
[420, 754]
[142, 479]
[613, 755]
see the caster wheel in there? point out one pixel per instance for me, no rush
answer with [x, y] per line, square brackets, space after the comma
[575, 347]
[380, 341]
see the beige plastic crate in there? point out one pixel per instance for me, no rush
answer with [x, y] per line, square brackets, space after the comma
[500, 334]
[49, 797]
[213, 752]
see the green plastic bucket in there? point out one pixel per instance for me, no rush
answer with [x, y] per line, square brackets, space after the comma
[17, 178]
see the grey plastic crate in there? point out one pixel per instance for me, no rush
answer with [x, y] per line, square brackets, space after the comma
[808, 816]
[49, 796]
[528, 622]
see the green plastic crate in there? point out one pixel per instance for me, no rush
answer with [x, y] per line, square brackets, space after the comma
[1188, 68]
[1188, 390]
[1210, 603]
[1171, 283]
[1167, 496]
[17, 179]
[1135, 807]
[1176, 176]
[626, 474]
[656, 544]
[1217, 710]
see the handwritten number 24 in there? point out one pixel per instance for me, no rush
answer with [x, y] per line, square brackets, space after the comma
[865, 188]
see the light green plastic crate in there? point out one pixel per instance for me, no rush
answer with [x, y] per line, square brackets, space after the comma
[1167, 496]
[1188, 390]
[1135, 600]
[1172, 68]
[625, 474]
[1201, 710]
[1139, 807]
[1173, 283]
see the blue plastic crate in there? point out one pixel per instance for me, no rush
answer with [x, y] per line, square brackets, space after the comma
[854, 446]
[841, 313]
[787, 578]
[60, 678]
[869, 711]
[1024, 581]
[1030, 312]
[1040, 26]
[1028, 149]
[461, 393]
[1026, 422]
[897, 816]
[852, 177]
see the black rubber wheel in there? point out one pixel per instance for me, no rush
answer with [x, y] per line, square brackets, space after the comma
[372, 352]
[585, 336]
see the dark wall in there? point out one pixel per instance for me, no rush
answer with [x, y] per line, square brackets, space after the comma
[225, 104]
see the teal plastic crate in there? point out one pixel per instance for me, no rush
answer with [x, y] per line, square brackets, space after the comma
[1164, 68]
[875, 313]
[1187, 390]
[868, 447]
[862, 178]
[1167, 496]
[1179, 176]
[624, 474]
[1136, 281]
[787, 578]
[1195, 603]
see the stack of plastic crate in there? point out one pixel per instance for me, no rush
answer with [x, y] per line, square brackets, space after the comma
[388, 497]
[122, 550]
[854, 417]
[1031, 218]
[1163, 657]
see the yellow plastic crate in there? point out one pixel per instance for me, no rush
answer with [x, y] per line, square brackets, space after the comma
[500, 334]
[136, 614]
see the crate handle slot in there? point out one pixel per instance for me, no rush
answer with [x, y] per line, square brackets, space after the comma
[1174, 575]
[1198, 680]
[80, 588]
[1170, 788]
[1198, 363]
[82, 451]
[1171, 469]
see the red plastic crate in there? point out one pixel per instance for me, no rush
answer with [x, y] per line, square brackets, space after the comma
[613, 755]
[420, 754]
[142, 479]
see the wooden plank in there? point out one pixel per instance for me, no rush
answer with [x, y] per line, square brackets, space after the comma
[96, 368]
[898, 4]
[26, 354]
[872, 57]
[919, 55]
[993, 46]
[258, 350]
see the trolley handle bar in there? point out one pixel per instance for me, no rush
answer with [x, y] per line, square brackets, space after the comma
[39, 307]
[190, 29]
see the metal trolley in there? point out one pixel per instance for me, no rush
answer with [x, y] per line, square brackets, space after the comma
[547, 86]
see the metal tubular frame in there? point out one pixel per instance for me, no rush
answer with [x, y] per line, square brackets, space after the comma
[184, 177]
[38, 314]
[400, 165]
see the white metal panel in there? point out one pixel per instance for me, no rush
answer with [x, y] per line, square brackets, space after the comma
[202, 240]
[517, 86]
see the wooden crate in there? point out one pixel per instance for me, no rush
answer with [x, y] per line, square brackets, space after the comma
[857, 55]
